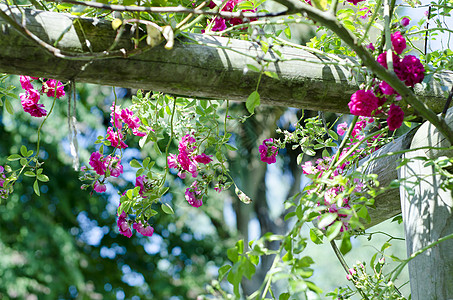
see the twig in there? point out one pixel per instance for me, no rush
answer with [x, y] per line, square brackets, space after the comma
[427, 25]
[173, 9]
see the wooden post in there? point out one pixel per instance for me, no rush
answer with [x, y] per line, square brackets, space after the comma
[428, 215]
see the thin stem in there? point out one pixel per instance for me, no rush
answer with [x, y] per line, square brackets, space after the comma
[388, 41]
[426, 34]
[173, 9]
[447, 104]
[339, 256]
[187, 18]
[169, 142]
[330, 22]
[345, 266]
[44, 121]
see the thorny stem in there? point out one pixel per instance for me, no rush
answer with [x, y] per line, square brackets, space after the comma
[351, 40]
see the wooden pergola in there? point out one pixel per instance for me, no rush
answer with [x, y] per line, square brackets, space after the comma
[211, 67]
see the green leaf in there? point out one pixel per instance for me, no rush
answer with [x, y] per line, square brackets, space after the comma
[325, 153]
[283, 296]
[299, 158]
[230, 147]
[316, 235]
[346, 245]
[385, 246]
[36, 188]
[310, 152]
[8, 106]
[255, 259]
[287, 32]
[271, 74]
[249, 269]
[135, 164]
[245, 5]
[232, 254]
[240, 246]
[333, 134]
[167, 209]
[290, 215]
[320, 4]
[23, 150]
[23, 161]
[223, 270]
[146, 162]
[242, 196]
[326, 220]
[253, 68]
[29, 153]
[43, 178]
[252, 101]
[313, 287]
[333, 230]
[13, 157]
[116, 24]
[29, 174]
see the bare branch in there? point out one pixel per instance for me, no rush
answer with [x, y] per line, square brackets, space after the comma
[172, 9]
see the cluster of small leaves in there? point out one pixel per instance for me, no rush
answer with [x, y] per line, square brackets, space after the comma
[310, 136]
[291, 267]
[376, 285]
[6, 93]
[29, 166]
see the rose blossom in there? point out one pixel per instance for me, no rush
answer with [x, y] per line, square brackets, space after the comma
[123, 225]
[398, 42]
[363, 103]
[48, 88]
[146, 231]
[404, 22]
[395, 118]
[268, 151]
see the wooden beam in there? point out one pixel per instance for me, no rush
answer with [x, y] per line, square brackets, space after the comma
[387, 204]
[197, 66]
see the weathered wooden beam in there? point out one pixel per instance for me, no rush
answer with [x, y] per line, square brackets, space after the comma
[387, 204]
[428, 216]
[198, 66]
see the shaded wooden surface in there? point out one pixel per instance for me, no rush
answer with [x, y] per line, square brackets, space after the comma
[428, 215]
[387, 204]
[201, 66]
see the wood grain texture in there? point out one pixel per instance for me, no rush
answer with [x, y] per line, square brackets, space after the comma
[199, 66]
[428, 215]
[387, 204]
